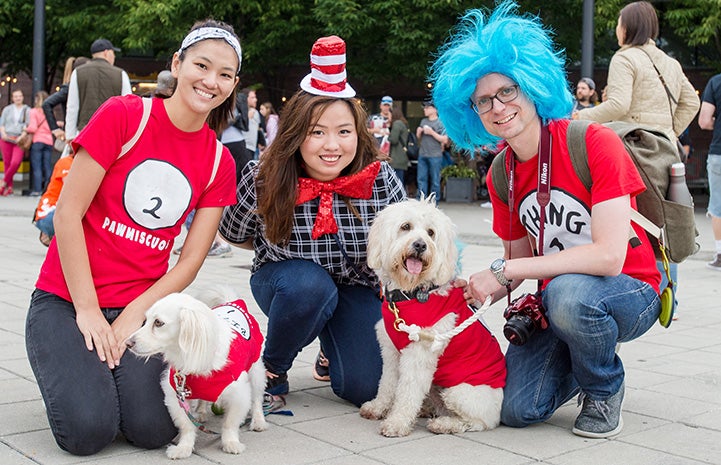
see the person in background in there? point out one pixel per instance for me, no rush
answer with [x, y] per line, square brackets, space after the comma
[254, 124]
[708, 119]
[431, 134]
[499, 78]
[93, 84]
[61, 97]
[45, 211]
[41, 150]
[271, 122]
[13, 120]
[120, 208]
[379, 124]
[305, 208]
[398, 139]
[636, 92]
[586, 96]
[165, 84]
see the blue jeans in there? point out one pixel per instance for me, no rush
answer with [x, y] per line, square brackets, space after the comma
[87, 403]
[587, 316]
[401, 174]
[303, 302]
[46, 225]
[40, 155]
[429, 167]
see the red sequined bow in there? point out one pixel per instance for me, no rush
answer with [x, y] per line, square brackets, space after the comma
[357, 186]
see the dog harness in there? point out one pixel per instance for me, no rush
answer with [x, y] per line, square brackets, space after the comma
[473, 356]
[244, 351]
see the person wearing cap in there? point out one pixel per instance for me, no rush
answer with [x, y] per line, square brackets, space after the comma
[92, 84]
[305, 208]
[139, 167]
[586, 95]
[501, 80]
[431, 134]
[165, 84]
[379, 124]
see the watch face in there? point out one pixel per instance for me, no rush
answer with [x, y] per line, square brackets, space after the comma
[497, 264]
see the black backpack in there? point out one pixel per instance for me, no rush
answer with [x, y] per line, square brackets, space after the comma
[411, 146]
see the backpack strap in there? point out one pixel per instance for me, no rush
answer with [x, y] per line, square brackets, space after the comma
[499, 175]
[147, 106]
[576, 142]
[216, 163]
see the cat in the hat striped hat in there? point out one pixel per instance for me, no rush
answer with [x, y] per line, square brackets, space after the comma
[305, 208]
[328, 76]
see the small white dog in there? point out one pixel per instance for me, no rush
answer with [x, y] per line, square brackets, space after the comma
[458, 383]
[213, 356]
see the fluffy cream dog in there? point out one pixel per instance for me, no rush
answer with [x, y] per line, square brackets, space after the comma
[213, 356]
[458, 382]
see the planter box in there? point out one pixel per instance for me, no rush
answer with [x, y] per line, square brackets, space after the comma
[459, 190]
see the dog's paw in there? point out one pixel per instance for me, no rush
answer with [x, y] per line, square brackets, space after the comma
[447, 425]
[178, 452]
[393, 429]
[373, 410]
[258, 424]
[233, 446]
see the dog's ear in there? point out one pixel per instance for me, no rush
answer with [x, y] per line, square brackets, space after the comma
[195, 339]
[375, 246]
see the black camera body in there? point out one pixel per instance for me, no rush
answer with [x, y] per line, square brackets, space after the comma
[523, 317]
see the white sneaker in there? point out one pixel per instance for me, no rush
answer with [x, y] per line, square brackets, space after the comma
[220, 250]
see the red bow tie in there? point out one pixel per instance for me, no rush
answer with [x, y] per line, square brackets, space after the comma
[357, 186]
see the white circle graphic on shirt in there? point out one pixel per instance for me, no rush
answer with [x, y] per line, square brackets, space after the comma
[157, 194]
[568, 221]
[235, 318]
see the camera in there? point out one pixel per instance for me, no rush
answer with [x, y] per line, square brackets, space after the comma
[523, 317]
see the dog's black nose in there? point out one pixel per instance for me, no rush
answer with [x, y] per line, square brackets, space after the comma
[419, 247]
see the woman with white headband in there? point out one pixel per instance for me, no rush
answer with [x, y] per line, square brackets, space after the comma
[141, 165]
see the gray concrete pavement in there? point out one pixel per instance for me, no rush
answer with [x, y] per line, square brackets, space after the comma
[672, 410]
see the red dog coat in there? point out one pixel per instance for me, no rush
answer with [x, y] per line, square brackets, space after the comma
[473, 356]
[244, 351]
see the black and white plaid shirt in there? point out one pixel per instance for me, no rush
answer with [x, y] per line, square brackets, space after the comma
[241, 222]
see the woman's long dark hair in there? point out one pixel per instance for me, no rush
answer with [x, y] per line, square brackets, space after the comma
[281, 164]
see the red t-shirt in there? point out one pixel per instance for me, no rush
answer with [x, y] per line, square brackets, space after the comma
[568, 215]
[473, 356]
[244, 352]
[143, 199]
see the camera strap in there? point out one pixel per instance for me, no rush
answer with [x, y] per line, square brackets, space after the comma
[543, 193]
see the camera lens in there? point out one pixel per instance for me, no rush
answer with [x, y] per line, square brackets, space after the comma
[518, 329]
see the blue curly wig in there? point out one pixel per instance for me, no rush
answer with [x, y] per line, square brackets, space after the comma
[507, 43]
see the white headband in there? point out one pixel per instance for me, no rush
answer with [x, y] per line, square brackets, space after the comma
[204, 33]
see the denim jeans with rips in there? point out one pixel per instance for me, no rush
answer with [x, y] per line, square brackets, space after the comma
[87, 403]
[303, 302]
[588, 316]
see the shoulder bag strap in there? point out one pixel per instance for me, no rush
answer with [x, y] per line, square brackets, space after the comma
[147, 106]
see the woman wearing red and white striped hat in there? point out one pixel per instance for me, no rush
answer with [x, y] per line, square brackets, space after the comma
[305, 209]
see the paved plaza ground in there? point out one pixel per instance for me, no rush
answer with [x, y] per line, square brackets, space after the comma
[672, 409]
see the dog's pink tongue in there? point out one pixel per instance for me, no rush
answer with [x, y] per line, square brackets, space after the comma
[413, 265]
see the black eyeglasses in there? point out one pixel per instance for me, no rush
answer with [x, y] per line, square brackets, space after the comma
[505, 95]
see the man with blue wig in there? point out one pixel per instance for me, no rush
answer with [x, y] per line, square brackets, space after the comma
[499, 81]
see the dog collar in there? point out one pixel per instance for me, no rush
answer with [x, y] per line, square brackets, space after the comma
[420, 293]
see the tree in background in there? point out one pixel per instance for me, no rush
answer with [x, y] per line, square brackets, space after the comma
[388, 40]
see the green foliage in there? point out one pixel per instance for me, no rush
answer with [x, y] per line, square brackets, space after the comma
[458, 171]
[389, 41]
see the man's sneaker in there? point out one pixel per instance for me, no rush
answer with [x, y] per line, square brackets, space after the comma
[276, 385]
[220, 250]
[321, 370]
[600, 418]
[716, 264]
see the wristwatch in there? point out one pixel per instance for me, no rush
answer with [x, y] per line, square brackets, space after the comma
[497, 268]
